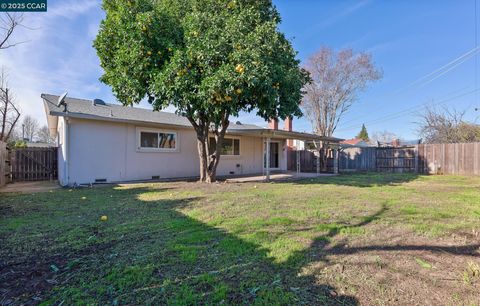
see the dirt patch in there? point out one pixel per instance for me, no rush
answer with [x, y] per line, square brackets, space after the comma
[30, 187]
[29, 280]
[395, 267]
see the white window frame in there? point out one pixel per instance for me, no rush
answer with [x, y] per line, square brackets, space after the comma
[139, 130]
[230, 137]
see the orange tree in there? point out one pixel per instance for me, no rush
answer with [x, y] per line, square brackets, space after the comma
[210, 59]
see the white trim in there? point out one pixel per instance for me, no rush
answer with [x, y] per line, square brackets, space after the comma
[278, 153]
[140, 149]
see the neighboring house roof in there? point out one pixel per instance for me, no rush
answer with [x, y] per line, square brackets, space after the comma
[355, 142]
[400, 143]
[86, 109]
[39, 145]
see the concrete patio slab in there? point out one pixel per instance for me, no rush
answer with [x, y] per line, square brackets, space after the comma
[285, 176]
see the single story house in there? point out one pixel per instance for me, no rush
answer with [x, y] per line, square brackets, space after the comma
[101, 142]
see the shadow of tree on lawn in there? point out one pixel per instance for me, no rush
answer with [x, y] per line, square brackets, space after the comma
[151, 253]
[362, 179]
[322, 247]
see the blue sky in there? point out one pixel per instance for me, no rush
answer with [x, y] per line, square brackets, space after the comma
[407, 39]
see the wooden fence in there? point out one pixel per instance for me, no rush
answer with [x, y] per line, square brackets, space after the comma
[357, 159]
[34, 164]
[455, 158]
[308, 161]
[4, 164]
[396, 159]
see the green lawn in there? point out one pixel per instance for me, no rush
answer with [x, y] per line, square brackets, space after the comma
[370, 239]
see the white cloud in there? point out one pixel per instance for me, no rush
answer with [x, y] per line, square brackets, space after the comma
[345, 12]
[58, 55]
[71, 9]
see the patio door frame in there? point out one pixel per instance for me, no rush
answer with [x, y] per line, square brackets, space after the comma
[278, 142]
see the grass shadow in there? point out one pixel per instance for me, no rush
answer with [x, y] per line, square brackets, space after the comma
[148, 252]
[362, 180]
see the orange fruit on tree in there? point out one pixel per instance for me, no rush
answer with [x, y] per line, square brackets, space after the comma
[240, 68]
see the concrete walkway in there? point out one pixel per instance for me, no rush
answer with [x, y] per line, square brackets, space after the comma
[30, 187]
[285, 176]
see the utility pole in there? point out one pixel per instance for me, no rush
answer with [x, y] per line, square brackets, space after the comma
[23, 131]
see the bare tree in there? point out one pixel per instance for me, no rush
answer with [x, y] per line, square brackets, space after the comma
[9, 22]
[44, 135]
[447, 126]
[30, 126]
[9, 113]
[337, 78]
[383, 137]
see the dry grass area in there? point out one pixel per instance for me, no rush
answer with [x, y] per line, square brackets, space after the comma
[353, 239]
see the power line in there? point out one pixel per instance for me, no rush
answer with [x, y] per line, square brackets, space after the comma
[449, 66]
[476, 46]
[407, 111]
[459, 92]
[430, 77]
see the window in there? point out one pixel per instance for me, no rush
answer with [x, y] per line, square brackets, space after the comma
[167, 140]
[230, 146]
[157, 140]
[148, 140]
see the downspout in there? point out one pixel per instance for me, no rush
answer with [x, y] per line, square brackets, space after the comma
[67, 151]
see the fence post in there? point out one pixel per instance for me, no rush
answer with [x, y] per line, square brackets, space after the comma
[298, 161]
[335, 161]
[415, 150]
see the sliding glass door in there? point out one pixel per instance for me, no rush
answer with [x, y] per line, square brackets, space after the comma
[274, 155]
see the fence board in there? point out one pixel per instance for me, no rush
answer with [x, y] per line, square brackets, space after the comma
[34, 164]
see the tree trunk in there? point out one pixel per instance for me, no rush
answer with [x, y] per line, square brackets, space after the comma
[214, 157]
[4, 115]
[323, 155]
[202, 156]
[209, 160]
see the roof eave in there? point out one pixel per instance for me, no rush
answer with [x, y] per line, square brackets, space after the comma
[282, 134]
[113, 119]
[52, 120]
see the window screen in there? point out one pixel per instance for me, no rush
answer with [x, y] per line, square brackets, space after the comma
[148, 140]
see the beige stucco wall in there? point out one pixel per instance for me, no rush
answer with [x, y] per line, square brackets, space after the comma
[108, 150]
